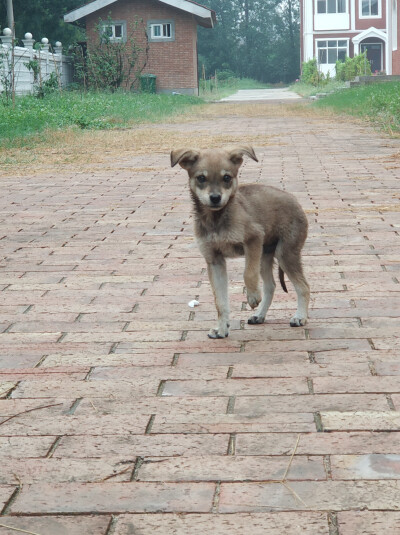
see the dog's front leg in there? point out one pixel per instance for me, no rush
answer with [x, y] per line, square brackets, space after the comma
[253, 250]
[219, 284]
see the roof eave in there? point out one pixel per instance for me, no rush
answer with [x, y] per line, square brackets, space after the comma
[203, 16]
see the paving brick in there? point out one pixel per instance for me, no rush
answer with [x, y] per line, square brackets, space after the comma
[126, 446]
[201, 406]
[232, 423]
[372, 466]
[361, 420]
[90, 389]
[121, 359]
[312, 345]
[356, 384]
[368, 522]
[114, 497]
[110, 373]
[333, 443]
[56, 525]
[230, 468]
[236, 387]
[94, 424]
[260, 405]
[53, 470]
[230, 359]
[313, 496]
[306, 369]
[255, 523]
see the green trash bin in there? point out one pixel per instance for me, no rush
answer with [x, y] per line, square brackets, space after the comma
[148, 83]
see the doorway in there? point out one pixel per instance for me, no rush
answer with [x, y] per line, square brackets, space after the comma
[374, 55]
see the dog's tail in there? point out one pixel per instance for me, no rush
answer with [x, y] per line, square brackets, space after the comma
[282, 279]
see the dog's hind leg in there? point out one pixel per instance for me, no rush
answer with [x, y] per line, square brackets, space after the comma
[290, 262]
[267, 262]
[219, 283]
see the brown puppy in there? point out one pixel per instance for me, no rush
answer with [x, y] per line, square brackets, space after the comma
[259, 222]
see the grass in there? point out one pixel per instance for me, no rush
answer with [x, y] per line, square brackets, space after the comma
[211, 91]
[378, 103]
[308, 90]
[32, 118]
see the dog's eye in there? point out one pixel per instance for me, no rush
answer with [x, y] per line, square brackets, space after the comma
[201, 179]
[227, 178]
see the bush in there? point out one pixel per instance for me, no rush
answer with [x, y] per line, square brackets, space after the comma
[352, 67]
[311, 74]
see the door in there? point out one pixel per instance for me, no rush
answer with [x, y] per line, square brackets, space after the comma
[374, 55]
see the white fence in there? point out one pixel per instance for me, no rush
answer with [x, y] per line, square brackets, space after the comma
[32, 66]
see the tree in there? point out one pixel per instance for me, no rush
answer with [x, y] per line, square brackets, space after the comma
[255, 38]
[43, 18]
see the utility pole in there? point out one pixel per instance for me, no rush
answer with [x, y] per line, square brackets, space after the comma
[11, 25]
[10, 16]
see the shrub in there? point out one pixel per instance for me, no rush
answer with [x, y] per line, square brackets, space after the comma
[311, 74]
[352, 67]
[110, 65]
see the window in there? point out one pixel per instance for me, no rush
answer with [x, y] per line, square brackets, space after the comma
[331, 51]
[115, 31]
[331, 6]
[161, 30]
[370, 8]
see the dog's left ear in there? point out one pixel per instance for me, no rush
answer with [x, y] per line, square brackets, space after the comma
[236, 154]
[185, 157]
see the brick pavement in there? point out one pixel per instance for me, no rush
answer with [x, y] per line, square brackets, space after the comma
[119, 416]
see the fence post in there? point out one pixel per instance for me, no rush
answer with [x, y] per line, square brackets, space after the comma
[28, 44]
[45, 48]
[7, 67]
[58, 51]
[7, 38]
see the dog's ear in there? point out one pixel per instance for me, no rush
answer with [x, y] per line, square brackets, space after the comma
[185, 157]
[236, 154]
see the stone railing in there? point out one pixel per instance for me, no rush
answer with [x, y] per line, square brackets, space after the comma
[31, 65]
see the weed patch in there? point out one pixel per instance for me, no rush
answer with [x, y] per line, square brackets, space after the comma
[378, 103]
[24, 124]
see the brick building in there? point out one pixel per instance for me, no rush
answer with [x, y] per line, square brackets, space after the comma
[171, 30]
[334, 29]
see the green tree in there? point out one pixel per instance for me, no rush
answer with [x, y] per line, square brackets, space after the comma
[43, 18]
[255, 38]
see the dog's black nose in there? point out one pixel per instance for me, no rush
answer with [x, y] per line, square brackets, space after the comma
[215, 198]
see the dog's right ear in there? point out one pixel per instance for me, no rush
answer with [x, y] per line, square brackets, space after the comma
[185, 157]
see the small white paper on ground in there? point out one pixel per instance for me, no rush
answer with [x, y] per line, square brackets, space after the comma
[193, 303]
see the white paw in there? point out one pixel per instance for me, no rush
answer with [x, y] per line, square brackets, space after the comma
[254, 320]
[254, 298]
[219, 332]
[297, 321]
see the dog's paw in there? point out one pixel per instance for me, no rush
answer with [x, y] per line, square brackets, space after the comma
[254, 298]
[218, 333]
[254, 320]
[297, 322]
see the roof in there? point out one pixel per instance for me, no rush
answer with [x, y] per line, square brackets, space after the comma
[204, 16]
[370, 32]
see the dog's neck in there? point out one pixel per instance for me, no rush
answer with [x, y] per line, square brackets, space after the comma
[209, 220]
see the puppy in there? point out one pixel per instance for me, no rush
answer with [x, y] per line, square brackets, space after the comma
[259, 222]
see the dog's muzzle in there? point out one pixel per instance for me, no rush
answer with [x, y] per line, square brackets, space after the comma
[215, 199]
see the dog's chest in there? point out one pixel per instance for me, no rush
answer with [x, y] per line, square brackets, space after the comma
[228, 244]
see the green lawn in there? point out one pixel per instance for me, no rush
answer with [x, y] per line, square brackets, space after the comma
[92, 110]
[308, 90]
[379, 103]
[209, 90]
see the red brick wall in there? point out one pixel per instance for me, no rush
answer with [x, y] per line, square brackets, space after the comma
[364, 24]
[396, 53]
[173, 62]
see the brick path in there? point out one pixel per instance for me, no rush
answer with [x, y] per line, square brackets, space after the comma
[119, 415]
